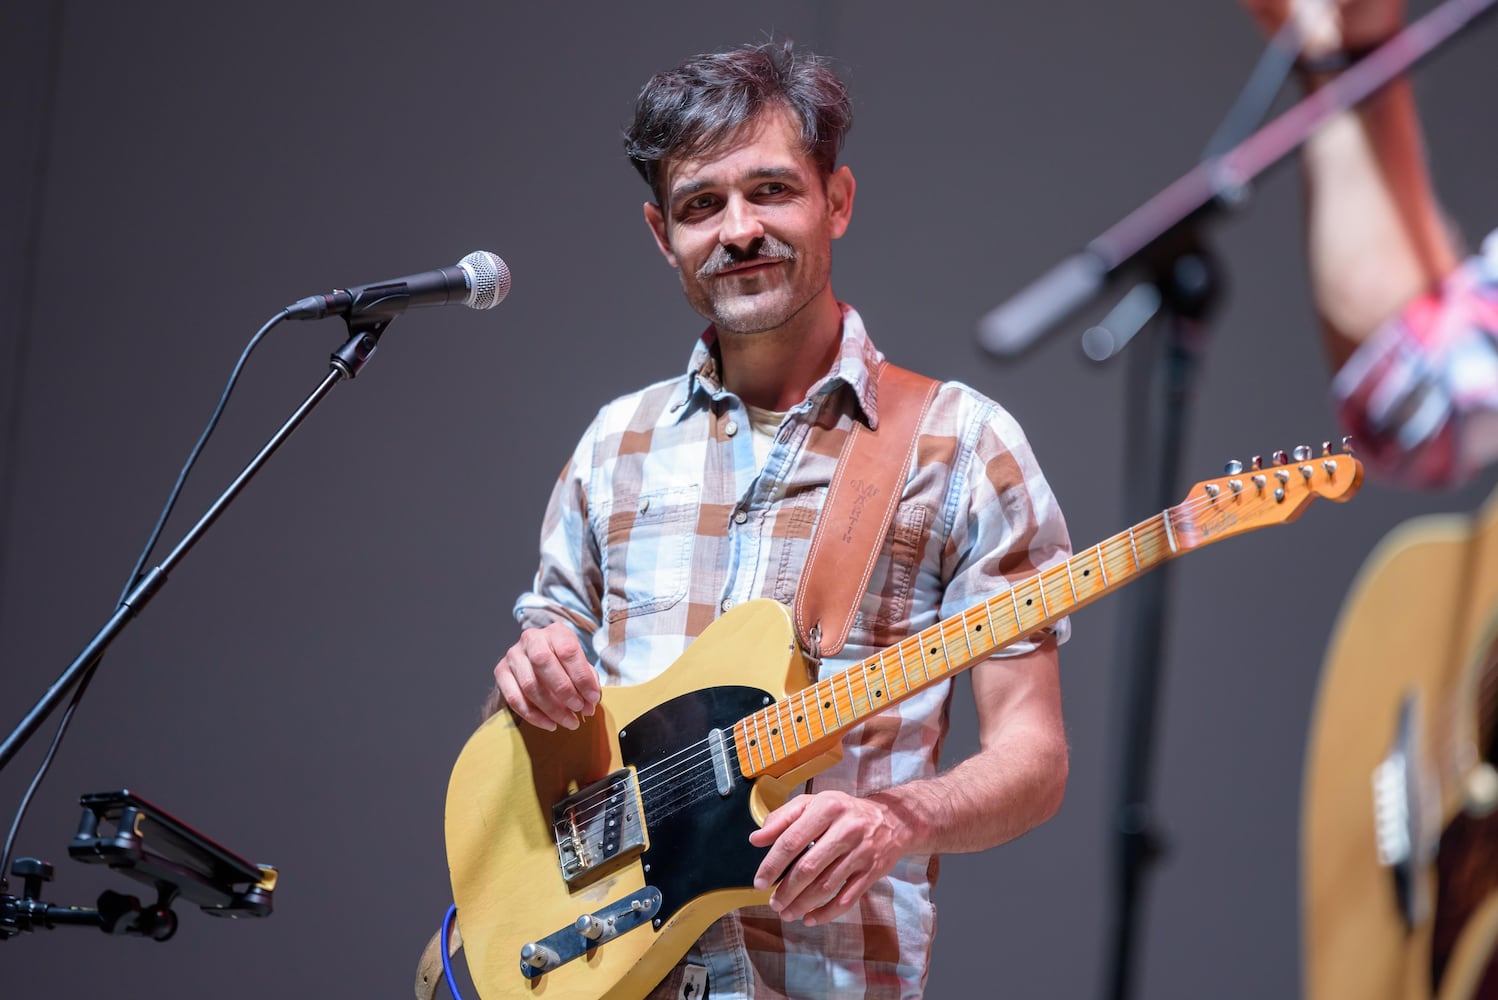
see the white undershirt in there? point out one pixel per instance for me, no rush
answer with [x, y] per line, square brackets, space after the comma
[763, 426]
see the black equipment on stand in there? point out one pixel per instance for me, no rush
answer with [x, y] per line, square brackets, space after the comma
[1160, 246]
[132, 836]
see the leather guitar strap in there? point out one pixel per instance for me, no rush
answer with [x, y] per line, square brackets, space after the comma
[860, 506]
[429, 975]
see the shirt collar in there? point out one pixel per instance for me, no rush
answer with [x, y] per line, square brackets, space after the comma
[857, 360]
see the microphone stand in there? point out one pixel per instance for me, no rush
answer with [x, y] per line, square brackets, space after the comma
[1164, 370]
[1162, 239]
[346, 362]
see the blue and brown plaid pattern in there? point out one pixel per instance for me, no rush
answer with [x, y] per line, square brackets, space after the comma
[662, 520]
[1420, 397]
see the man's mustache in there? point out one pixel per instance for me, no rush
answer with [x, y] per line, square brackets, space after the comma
[768, 248]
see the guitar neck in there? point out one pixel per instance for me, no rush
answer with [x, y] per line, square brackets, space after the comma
[789, 729]
[783, 735]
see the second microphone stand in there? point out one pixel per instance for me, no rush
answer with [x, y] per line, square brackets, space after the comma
[1161, 378]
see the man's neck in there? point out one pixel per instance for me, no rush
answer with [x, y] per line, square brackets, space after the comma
[775, 369]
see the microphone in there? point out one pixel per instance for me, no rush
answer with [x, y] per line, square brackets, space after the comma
[480, 280]
[1045, 303]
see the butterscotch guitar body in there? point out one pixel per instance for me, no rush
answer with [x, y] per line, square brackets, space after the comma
[508, 869]
[1408, 685]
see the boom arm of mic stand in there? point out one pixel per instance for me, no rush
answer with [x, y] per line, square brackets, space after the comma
[1153, 232]
[345, 363]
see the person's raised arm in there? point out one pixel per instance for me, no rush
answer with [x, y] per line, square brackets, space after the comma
[1376, 235]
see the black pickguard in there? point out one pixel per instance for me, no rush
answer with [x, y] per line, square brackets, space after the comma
[699, 842]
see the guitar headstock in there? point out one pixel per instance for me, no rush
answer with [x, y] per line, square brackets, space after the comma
[1263, 495]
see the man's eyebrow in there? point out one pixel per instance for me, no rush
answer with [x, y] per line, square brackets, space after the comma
[690, 188]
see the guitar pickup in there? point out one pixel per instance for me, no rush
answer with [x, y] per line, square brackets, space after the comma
[598, 828]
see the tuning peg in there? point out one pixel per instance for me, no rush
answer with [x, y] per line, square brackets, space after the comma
[1347, 444]
[1257, 462]
[1302, 452]
[1326, 448]
[1233, 467]
[1279, 457]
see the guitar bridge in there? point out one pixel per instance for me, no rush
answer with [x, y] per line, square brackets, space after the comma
[598, 828]
[1403, 824]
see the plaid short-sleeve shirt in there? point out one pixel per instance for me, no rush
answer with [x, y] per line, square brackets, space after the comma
[663, 519]
[1420, 397]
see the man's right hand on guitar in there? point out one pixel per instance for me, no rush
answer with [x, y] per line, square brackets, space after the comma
[546, 679]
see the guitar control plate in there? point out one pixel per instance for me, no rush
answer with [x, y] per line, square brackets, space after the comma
[561, 947]
[598, 828]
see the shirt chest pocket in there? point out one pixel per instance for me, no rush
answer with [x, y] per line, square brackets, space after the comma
[647, 560]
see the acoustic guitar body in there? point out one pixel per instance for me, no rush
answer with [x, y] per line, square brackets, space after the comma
[1399, 852]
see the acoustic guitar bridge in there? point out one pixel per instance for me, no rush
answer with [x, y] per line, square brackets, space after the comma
[1406, 819]
[598, 828]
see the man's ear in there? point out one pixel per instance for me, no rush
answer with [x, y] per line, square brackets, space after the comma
[840, 190]
[657, 223]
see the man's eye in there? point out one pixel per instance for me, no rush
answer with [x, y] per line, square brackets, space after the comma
[774, 188]
[700, 203]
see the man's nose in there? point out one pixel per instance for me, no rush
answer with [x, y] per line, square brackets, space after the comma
[741, 224]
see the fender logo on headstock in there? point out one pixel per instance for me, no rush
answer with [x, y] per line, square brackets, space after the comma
[1215, 520]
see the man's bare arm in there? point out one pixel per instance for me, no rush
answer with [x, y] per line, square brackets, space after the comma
[1013, 783]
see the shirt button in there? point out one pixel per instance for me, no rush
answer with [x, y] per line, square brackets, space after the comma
[740, 516]
[731, 428]
[727, 604]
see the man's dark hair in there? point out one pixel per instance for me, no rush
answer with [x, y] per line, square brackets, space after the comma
[687, 110]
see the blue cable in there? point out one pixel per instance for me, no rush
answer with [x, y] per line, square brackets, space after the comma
[447, 965]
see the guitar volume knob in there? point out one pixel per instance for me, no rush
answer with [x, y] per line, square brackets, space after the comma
[538, 956]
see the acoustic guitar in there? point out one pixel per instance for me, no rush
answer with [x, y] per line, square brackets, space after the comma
[584, 863]
[1399, 839]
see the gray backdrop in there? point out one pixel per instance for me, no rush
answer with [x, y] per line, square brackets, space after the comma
[175, 173]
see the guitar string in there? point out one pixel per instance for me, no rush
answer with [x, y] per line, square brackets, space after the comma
[650, 777]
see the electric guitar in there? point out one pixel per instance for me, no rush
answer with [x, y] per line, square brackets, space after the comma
[584, 863]
[1399, 834]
